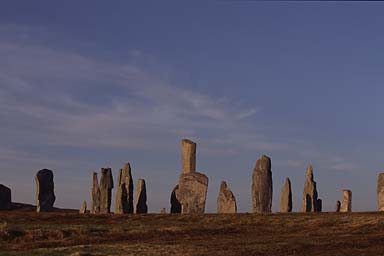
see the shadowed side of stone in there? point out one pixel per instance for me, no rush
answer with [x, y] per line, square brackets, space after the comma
[175, 203]
[262, 186]
[124, 192]
[95, 195]
[319, 205]
[45, 195]
[380, 192]
[5, 198]
[141, 197]
[286, 197]
[310, 192]
[338, 205]
[106, 186]
[226, 202]
[192, 192]
[346, 203]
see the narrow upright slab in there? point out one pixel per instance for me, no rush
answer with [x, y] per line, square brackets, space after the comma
[45, 195]
[95, 195]
[141, 197]
[319, 205]
[83, 209]
[262, 186]
[124, 192]
[226, 202]
[175, 203]
[310, 192]
[5, 198]
[286, 197]
[338, 205]
[193, 192]
[380, 192]
[346, 203]
[106, 186]
[188, 156]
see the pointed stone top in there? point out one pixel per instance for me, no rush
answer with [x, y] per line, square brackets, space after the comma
[310, 172]
[287, 180]
[223, 185]
[127, 166]
[263, 164]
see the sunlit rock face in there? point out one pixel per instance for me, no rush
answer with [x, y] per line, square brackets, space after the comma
[262, 186]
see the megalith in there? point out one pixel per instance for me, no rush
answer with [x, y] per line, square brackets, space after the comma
[193, 185]
[262, 186]
[175, 204]
[226, 202]
[45, 195]
[106, 186]
[310, 192]
[5, 198]
[286, 197]
[319, 205]
[95, 195]
[380, 192]
[83, 209]
[338, 205]
[124, 192]
[346, 203]
[141, 197]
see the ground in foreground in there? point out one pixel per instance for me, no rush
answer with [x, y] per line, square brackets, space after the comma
[28, 233]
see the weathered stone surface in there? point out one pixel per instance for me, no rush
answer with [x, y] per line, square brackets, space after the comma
[163, 211]
[45, 195]
[262, 186]
[175, 204]
[5, 198]
[319, 205]
[95, 195]
[83, 209]
[286, 197]
[141, 197]
[192, 192]
[226, 202]
[124, 192]
[310, 192]
[380, 192]
[188, 156]
[106, 186]
[346, 203]
[338, 205]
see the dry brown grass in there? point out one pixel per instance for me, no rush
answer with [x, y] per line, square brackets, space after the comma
[28, 233]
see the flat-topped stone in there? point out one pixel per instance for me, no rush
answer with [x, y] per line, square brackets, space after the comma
[45, 195]
[188, 156]
[346, 203]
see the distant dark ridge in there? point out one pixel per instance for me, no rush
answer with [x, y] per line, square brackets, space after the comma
[22, 207]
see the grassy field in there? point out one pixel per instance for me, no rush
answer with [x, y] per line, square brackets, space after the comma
[28, 233]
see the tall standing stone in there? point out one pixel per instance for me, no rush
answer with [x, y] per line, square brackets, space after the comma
[5, 198]
[319, 205]
[262, 186]
[193, 185]
[95, 195]
[346, 203]
[106, 186]
[310, 192]
[226, 202]
[141, 197]
[124, 192]
[286, 197]
[188, 156]
[380, 192]
[45, 195]
[83, 209]
[338, 205]
[175, 204]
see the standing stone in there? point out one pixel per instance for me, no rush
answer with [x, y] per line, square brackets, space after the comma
[83, 209]
[226, 202]
[338, 205]
[188, 156]
[319, 205]
[124, 192]
[106, 186]
[346, 203]
[175, 204]
[95, 195]
[310, 192]
[45, 195]
[5, 198]
[262, 186]
[286, 197]
[141, 197]
[163, 211]
[380, 192]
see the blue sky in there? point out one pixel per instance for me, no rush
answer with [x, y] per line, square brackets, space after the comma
[90, 84]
